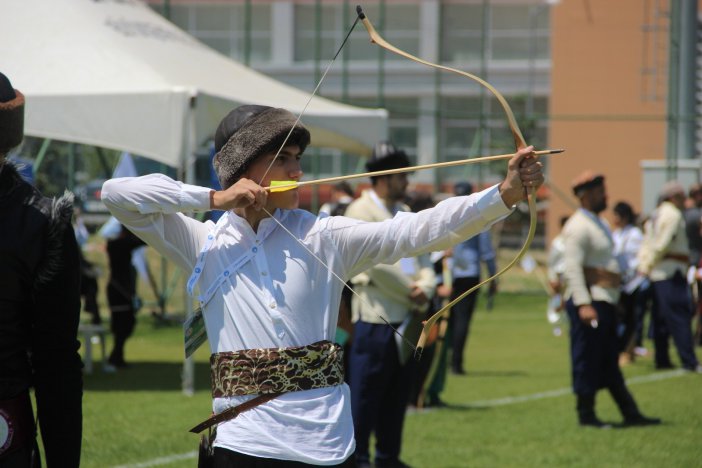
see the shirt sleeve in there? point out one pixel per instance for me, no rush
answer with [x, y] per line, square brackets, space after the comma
[364, 244]
[576, 247]
[152, 207]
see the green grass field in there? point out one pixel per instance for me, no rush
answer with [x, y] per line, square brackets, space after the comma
[514, 408]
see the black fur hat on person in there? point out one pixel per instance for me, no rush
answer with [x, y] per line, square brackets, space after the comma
[11, 116]
[251, 131]
[462, 188]
[386, 156]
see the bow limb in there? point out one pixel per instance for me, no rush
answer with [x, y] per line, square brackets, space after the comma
[519, 143]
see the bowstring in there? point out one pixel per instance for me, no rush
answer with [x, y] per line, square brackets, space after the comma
[287, 137]
[309, 100]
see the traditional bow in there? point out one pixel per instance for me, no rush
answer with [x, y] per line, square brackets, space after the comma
[518, 141]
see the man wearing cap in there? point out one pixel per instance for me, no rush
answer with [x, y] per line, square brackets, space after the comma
[39, 312]
[593, 280]
[465, 261]
[664, 259]
[380, 366]
[269, 276]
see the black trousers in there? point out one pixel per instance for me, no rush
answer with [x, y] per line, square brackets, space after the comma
[224, 458]
[672, 316]
[594, 352]
[461, 316]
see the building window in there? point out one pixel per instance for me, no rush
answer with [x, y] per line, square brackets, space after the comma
[320, 28]
[500, 32]
[229, 28]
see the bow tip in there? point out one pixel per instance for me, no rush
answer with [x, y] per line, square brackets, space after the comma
[418, 353]
[360, 13]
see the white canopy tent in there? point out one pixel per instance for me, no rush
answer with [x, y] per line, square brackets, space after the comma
[116, 74]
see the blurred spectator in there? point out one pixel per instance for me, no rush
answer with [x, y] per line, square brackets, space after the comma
[88, 272]
[628, 238]
[593, 279]
[664, 259]
[556, 268]
[418, 201]
[39, 312]
[341, 197]
[466, 259]
[380, 364]
[121, 287]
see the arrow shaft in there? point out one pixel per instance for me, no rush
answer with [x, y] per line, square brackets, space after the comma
[400, 170]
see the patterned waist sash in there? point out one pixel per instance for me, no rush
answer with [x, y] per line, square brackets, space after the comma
[276, 370]
[269, 372]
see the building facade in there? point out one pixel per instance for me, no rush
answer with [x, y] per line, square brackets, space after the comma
[435, 116]
[610, 103]
[581, 75]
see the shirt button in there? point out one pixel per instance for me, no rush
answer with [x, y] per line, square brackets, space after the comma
[264, 273]
[272, 305]
[254, 250]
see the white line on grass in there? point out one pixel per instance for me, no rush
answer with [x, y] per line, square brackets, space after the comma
[474, 404]
[161, 460]
[564, 391]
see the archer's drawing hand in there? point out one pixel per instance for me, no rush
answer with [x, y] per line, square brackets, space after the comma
[244, 193]
[523, 171]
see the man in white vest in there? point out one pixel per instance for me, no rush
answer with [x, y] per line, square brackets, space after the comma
[379, 365]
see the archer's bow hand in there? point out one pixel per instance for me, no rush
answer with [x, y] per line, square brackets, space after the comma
[524, 171]
[245, 193]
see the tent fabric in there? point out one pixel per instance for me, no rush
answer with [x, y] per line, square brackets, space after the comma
[118, 75]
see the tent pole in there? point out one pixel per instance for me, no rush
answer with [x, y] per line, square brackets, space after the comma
[188, 379]
[40, 156]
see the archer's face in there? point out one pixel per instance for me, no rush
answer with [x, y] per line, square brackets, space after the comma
[285, 167]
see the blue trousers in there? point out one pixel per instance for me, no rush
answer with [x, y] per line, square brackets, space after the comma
[380, 387]
[594, 352]
[672, 316]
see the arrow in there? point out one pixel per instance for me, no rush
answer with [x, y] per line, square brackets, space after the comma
[284, 185]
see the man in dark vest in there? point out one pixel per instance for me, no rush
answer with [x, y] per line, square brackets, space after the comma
[39, 312]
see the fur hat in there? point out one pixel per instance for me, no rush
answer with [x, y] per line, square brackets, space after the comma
[11, 115]
[251, 131]
[386, 156]
[462, 188]
[586, 180]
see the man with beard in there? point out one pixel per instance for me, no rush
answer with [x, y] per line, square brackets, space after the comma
[593, 280]
[379, 365]
[39, 312]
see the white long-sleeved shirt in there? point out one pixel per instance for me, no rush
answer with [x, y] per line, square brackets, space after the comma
[281, 296]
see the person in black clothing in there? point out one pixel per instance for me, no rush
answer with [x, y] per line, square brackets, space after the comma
[121, 292]
[39, 312]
